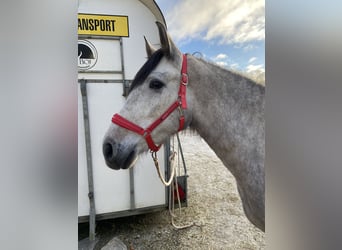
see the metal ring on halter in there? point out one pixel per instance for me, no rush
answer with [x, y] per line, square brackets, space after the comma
[180, 110]
[153, 153]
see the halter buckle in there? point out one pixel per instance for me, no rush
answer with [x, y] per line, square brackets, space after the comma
[184, 79]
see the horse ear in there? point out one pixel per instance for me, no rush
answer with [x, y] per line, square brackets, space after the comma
[149, 48]
[167, 44]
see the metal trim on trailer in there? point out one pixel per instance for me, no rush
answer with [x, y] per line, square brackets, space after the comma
[100, 37]
[184, 178]
[131, 189]
[105, 80]
[92, 209]
[154, 8]
[122, 67]
[124, 213]
[101, 71]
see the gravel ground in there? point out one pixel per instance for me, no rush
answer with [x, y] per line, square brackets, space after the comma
[213, 205]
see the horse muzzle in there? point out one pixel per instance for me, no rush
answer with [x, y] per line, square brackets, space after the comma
[118, 156]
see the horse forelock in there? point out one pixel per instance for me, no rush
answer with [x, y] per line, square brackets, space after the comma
[146, 69]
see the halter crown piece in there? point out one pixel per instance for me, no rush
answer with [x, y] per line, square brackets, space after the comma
[179, 103]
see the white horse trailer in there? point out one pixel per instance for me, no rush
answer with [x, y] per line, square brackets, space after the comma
[110, 51]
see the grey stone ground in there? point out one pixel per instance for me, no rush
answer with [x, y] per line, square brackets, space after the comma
[213, 205]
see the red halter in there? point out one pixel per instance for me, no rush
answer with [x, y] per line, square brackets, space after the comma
[179, 103]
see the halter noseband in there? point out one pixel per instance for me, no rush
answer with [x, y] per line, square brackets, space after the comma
[180, 103]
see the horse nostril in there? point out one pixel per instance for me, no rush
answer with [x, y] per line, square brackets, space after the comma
[107, 151]
[116, 155]
[110, 153]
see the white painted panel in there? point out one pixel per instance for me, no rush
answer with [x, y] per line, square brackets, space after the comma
[149, 189]
[109, 57]
[98, 76]
[111, 188]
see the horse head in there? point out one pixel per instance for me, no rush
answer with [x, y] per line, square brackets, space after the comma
[154, 109]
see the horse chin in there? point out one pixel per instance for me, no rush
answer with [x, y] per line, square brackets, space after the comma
[130, 160]
[135, 159]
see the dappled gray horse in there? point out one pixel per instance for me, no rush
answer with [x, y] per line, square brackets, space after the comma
[172, 92]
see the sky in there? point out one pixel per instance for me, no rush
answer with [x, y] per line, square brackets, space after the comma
[230, 33]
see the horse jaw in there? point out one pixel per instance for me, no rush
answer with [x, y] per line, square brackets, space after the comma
[133, 162]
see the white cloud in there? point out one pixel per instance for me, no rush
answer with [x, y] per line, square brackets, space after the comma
[245, 47]
[252, 59]
[221, 60]
[222, 63]
[221, 56]
[252, 68]
[234, 66]
[256, 72]
[249, 47]
[233, 21]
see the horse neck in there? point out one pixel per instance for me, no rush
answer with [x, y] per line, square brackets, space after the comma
[228, 112]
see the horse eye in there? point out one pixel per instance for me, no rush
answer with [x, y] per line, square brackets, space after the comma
[155, 84]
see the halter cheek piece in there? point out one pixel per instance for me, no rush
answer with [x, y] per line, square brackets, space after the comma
[180, 103]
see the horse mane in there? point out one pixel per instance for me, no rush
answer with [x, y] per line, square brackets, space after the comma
[236, 73]
[146, 69]
[245, 85]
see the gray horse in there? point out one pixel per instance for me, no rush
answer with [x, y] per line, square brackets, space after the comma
[225, 108]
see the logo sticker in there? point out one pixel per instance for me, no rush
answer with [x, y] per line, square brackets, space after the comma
[87, 55]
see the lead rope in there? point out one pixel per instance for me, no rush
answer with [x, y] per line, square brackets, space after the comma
[156, 163]
[174, 185]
